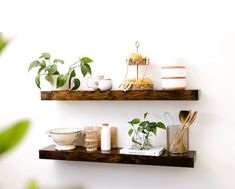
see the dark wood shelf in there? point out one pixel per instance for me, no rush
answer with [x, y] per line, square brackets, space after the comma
[114, 156]
[120, 95]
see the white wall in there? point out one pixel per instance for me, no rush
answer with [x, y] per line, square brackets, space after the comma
[202, 32]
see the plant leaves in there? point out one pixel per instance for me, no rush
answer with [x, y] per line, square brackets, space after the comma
[56, 61]
[47, 56]
[61, 80]
[84, 70]
[86, 60]
[32, 185]
[154, 131]
[76, 84]
[135, 121]
[37, 81]
[12, 135]
[161, 125]
[42, 66]
[130, 123]
[88, 68]
[3, 42]
[144, 132]
[151, 127]
[72, 74]
[40, 70]
[145, 115]
[144, 124]
[48, 77]
[130, 132]
[53, 69]
[56, 73]
[34, 64]
[43, 63]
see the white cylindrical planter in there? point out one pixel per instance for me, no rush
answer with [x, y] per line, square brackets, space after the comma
[173, 77]
[105, 137]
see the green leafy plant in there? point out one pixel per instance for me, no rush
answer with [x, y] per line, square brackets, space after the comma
[48, 68]
[32, 184]
[12, 135]
[145, 128]
[3, 42]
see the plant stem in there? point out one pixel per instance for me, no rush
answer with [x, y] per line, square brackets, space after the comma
[134, 129]
[136, 142]
[147, 135]
[75, 63]
[74, 67]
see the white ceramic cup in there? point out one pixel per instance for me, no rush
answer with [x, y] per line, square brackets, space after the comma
[105, 84]
[93, 82]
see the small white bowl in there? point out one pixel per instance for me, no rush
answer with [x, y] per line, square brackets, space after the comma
[105, 84]
[64, 138]
[173, 83]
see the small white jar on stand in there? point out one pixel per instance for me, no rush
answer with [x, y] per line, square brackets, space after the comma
[105, 137]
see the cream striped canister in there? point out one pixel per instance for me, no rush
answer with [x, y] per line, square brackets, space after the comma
[173, 77]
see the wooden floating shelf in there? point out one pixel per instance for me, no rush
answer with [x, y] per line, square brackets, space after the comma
[120, 95]
[114, 156]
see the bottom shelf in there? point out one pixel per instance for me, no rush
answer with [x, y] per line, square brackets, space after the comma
[114, 156]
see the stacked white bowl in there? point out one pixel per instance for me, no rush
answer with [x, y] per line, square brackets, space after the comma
[173, 77]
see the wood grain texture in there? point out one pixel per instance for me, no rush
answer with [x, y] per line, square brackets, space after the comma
[120, 95]
[113, 156]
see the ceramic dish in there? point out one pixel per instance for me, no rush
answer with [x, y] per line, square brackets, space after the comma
[64, 138]
[173, 83]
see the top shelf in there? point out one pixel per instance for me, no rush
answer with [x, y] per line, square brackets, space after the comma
[120, 95]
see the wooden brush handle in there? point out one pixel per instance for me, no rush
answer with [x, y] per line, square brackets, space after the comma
[180, 136]
[181, 133]
[180, 130]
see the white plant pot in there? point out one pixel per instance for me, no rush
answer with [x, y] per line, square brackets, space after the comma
[54, 81]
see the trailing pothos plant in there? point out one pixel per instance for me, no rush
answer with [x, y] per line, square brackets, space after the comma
[144, 129]
[48, 68]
